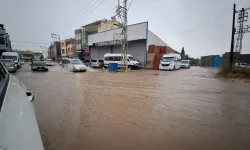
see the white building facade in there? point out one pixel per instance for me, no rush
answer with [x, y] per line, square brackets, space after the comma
[139, 37]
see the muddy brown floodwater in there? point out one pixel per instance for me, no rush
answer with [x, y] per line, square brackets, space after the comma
[140, 110]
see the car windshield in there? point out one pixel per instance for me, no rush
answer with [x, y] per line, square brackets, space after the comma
[94, 60]
[76, 62]
[6, 60]
[184, 61]
[167, 59]
[9, 57]
[100, 60]
[38, 63]
[131, 58]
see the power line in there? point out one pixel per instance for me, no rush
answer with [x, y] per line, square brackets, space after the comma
[91, 7]
[76, 16]
[81, 10]
[94, 8]
[28, 42]
[130, 4]
[200, 26]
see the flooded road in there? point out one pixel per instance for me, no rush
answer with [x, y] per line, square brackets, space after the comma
[140, 110]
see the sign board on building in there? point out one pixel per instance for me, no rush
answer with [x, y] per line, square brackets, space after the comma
[135, 32]
[107, 43]
[118, 36]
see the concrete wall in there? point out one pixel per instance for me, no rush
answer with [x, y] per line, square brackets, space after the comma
[154, 40]
[135, 32]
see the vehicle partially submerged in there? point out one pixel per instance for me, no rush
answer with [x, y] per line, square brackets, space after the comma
[9, 65]
[39, 66]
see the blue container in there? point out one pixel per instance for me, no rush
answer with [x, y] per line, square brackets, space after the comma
[218, 61]
[113, 67]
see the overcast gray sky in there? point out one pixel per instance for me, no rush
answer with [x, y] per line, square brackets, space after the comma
[34, 20]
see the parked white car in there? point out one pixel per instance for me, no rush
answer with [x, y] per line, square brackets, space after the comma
[97, 63]
[49, 62]
[18, 125]
[73, 65]
[243, 65]
[185, 64]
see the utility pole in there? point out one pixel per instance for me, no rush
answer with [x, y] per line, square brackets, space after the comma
[242, 29]
[122, 12]
[232, 39]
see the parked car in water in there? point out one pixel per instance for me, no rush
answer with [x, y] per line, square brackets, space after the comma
[74, 65]
[49, 62]
[18, 125]
[39, 65]
[9, 65]
[243, 65]
[22, 62]
[14, 56]
[185, 64]
[97, 63]
[87, 62]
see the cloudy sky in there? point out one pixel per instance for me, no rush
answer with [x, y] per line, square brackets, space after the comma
[203, 27]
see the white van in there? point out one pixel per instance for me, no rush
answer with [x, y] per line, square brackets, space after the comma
[119, 59]
[170, 62]
[14, 56]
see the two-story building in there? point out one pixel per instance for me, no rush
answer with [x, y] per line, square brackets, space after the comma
[81, 35]
[54, 51]
[5, 44]
[68, 47]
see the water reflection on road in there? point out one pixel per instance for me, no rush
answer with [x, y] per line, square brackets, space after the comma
[145, 109]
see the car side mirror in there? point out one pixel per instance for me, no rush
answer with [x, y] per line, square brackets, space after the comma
[30, 96]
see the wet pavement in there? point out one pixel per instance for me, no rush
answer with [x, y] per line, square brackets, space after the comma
[187, 109]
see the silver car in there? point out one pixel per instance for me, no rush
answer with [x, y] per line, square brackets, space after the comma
[9, 65]
[18, 125]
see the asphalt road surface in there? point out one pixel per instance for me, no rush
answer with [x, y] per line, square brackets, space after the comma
[186, 109]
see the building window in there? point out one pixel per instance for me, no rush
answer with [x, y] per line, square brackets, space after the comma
[78, 46]
[62, 51]
[78, 36]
